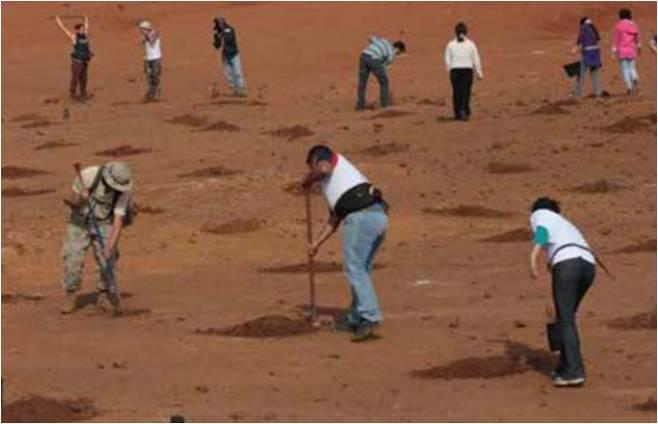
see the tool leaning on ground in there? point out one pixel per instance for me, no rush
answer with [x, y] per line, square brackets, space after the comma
[94, 231]
[311, 261]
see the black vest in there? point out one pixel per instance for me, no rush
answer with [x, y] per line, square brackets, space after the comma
[81, 50]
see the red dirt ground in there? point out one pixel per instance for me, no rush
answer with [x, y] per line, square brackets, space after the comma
[448, 297]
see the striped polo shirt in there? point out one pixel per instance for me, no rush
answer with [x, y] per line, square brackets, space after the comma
[380, 49]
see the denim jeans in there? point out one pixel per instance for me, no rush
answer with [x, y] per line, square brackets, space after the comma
[580, 81]
[629, 72]
[367, 65]
[571, 280]
[363, 233]
[233, 72]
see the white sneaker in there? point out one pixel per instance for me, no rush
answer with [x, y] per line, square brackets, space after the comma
[568, 382]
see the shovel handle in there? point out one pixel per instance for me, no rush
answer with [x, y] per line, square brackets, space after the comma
[311, 262]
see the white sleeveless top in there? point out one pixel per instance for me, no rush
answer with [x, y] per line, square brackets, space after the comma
[152, 50]
[344, 177]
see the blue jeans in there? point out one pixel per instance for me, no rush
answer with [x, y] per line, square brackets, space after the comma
[580, 81]
[233, 72]
[363, 233]
[629, 72]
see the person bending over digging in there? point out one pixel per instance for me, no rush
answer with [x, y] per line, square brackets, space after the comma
[379, 54]
[80, 58]
[572, 266]
[357, 203]
[152, 59]
[107, 190]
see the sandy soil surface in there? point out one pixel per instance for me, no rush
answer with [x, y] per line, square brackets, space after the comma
[221, 241]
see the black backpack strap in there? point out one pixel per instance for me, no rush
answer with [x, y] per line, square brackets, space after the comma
[596, 258]
[97, 179]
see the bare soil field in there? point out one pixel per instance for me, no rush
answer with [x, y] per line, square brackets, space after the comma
[215, 263]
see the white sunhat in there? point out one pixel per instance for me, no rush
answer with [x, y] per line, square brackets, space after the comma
[145, 25]
[118, 176]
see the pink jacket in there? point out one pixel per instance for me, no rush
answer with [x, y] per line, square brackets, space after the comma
[626, 39]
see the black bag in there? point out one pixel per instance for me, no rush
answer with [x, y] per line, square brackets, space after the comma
[572, 69]
[357, 198]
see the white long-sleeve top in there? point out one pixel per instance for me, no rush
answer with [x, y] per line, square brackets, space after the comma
[463, 55]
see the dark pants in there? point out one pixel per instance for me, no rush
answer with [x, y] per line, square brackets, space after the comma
[367, 65]
[571, 280]
[153, 70]
[78, 78]
[462, 81]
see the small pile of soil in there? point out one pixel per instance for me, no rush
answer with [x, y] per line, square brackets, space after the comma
[232, 227]
[267, 326]
[508, 168]
[642, 321]
[512, 236]
[551, 109]
[565, 102]
[15, 172]
[639, 247]
[431, 102]
[28, 117]
[479, 368]
[468, 211]
[127, 313]
[648, 406]
[210, 172]
[221, 126]
[189, 120]
[291, 133]
[391, 114]
[36, 124]
[597, 187]
[385, 149]
[626, 125]
[19, 298]
[40, 409]
[296, 188]
[149, 209]
[123, 150]
[54, 145]
[318, 267]
[19, 192]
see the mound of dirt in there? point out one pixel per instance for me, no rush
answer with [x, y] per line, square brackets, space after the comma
[598, 187]
[54, 145]
[385, 149]
[648, 406]
[551, 109]
[642, 321]
[19, 192]
[40, 409]
[232, 227]
[508, 168]
[189, 120]
[267, 326]
[291, 133]
[318, 267]
[210, 172]
[639, 247]
[36, 124]
[474, 368]
[221, 126]
[468, 211]
[28, 117]
[127, 313]
[123, 150]
[13, 298]
[387, 114]
[512, 236]
[296, 188]
[626, 125]
[15, 172]
[431, 102]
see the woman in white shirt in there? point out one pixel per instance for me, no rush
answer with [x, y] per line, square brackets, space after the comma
[152, 59]
[572, 266]
[461, 59]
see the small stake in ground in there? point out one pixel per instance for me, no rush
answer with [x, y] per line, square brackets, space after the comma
[311, 267]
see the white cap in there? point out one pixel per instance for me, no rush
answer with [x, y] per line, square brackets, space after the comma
[145, 25]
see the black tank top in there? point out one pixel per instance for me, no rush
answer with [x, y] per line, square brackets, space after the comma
[81, 50]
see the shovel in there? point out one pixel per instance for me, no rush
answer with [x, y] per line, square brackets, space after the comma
[311, 262]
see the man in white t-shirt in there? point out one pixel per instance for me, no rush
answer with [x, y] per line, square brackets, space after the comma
[152, 59]
[357, 203]
[573, 269]
[110, 189]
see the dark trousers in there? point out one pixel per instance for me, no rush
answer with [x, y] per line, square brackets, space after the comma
[571, 280]
[153, 70]
[462, 81]
[367, 65]
[78, 78]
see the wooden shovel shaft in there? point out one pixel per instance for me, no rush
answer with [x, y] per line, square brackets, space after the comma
[311, 264]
